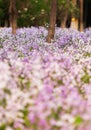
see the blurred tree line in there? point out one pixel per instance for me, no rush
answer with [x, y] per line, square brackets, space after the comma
[26, 13]
[36, 12]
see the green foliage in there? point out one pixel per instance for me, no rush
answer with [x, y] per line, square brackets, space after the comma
[87, 54]
[2, 127]
[86, 78]
[55, 114]
[32, 12]
[25, 117]
[78, 120]
[18, 129]
[60, 82]
[1, 11]
[35, 12]
[70, 7]
[4, 5]
[3, 103]
[7, 91]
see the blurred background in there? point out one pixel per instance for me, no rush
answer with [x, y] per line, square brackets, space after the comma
[36, 13]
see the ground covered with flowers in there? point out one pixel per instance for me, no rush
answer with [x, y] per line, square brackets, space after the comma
[45, 86]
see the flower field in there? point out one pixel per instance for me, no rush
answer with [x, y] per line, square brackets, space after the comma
[45, 86]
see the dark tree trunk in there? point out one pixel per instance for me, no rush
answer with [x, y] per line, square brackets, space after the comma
[13, 15]
[81, 15]
[51, 30]
[64, 19]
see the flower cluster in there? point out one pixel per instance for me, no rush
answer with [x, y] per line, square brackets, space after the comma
[45, 86]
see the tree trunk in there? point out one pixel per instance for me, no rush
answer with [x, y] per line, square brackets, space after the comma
[6, 23]
[64, 19]
[51, 29]
[13, 16]
[74, 21]
[81, 15]
[74, 1]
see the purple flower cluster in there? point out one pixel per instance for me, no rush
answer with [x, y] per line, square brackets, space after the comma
[45, 86]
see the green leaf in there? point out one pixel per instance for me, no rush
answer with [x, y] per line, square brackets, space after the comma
[60, 82]
[1, 46]
[18, 129]
[2, 127]
[26, 121]
[87, 54]
[25, 117]
[86, 78]
[31, 48]
[55, 114]
[25, 112]
[7, 91]
[78, 120]
[28, 83]
[3, 103]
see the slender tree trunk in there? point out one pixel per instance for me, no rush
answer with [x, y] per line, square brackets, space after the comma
[74, 21]
[51, 29]
[74, 1]
[86, 12]
[81, 15]
[13, 15]
[6, 23]
[64, 20]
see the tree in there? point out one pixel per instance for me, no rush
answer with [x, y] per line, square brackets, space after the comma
[81, 15]
[13, 15]
[52, 23]
[4, 17]
[75, 15]
[32, 12]
[64, 20]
